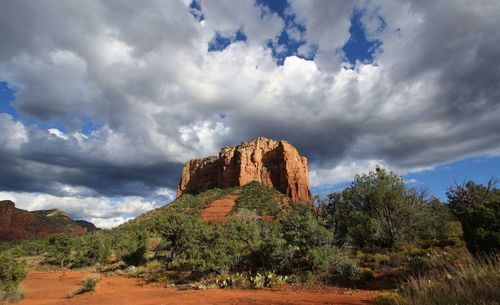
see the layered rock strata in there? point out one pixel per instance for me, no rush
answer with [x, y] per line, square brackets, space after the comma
[274, 163]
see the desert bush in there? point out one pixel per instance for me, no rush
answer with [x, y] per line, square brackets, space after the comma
[468, 283]
[152, 272]
[60, 248]
[267, 280]
[26, 247]
[303, 231]
[262, 199]
[12, 272]
[236, 280]
[419, 259]
[397, 259]
[345, 270]
[381, 260]
[93, 248]
[477, 207]
[366, 274]
[189, 244]
[133, 247]
[87, 285]
[388, 298]
[322, 258]
[379, 211]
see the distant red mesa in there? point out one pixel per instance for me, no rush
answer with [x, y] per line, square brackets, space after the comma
[20, 224]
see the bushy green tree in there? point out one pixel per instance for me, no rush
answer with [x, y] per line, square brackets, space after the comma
[306, 236]
[272, 251]
[379, 211]
[133, 248]
[242, 243]
[93, 248]
[478, 208]
[61, 246]
[180, 234]
[189, 244]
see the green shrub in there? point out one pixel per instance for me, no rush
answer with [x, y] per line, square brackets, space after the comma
[346, 270]
[237, 280]
[266, 280]
[262, 199]
[381, 260]
[397, 259]
[94, 248]
[379, 211]
[322, 258]
[245, 280]
[134, 248]
[366, 274]
[153, 271]
[87, 285]
[61, 246]
[388, 298]
[477, 207]
[310, 280]
[12, 272]
[303, 231]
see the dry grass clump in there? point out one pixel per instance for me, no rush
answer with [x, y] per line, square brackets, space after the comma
[87, 285]
[13, 295]
[467, 283]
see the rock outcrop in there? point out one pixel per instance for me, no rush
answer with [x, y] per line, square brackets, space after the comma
[20, 224]
[273, 163]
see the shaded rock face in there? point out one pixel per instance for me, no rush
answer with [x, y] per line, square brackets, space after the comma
[20, 224]
[274, 163]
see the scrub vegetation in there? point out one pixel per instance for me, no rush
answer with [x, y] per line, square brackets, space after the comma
[377, 232]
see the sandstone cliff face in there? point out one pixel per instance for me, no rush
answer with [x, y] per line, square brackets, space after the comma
[273, 163]
[19, 224]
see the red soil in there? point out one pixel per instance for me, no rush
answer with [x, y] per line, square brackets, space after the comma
[48, 288]
[218, 210]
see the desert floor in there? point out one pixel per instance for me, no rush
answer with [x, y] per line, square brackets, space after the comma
[51, 288]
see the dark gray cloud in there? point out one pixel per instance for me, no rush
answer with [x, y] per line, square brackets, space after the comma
[144, 77]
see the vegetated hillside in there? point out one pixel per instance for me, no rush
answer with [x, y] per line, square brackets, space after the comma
[20, 224]
[253, 200]
[375, 233]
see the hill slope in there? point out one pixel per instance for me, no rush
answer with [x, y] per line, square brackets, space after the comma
[20, 224]
[218, 205]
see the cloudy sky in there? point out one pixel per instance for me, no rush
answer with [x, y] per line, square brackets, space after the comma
[101, 102]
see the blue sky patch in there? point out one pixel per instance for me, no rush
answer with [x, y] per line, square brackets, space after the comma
[89, 126]
[358, 47]
[7, 96]
[195, 10]
[438, 180]
[276, 6]
[287, 44]
[219, 42]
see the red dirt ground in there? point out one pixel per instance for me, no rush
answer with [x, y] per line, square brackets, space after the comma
[48, 288]
[218, 210]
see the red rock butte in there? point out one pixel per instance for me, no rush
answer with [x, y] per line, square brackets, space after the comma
[274, 163]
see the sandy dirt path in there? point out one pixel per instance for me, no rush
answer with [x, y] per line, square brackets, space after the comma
[48, 288]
